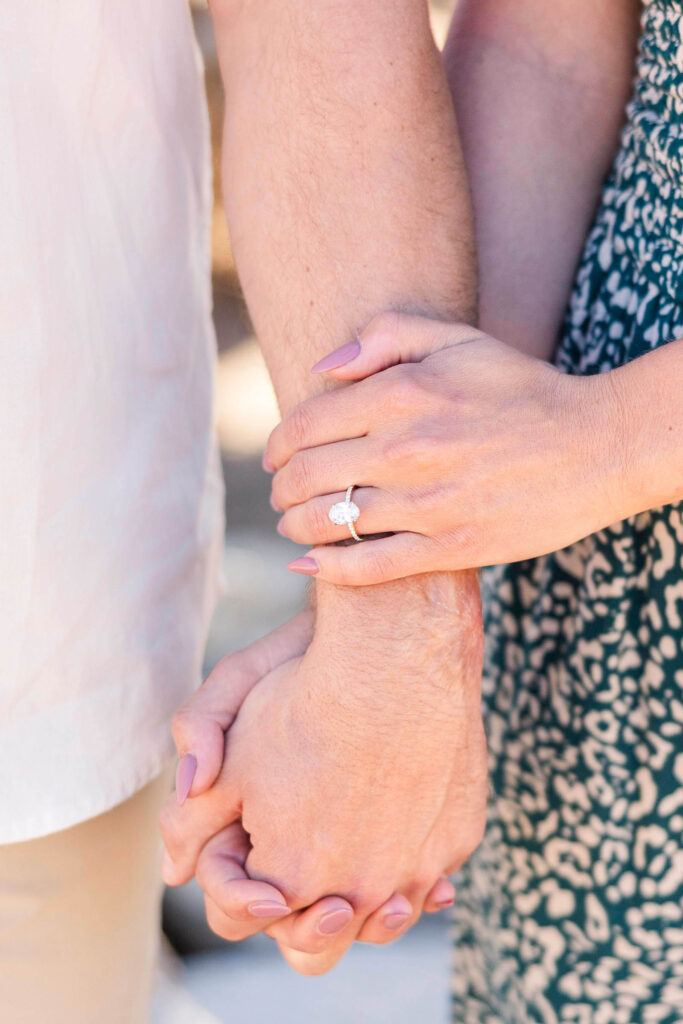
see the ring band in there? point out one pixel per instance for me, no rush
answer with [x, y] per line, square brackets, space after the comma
[346, 512]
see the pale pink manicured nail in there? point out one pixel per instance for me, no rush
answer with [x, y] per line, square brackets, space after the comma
[443, 893]
[267, 464]
[340, 357]
[185, 773]
[335, 921]
[306, 566]
[280, 528]
[268, 908]
[395, 921]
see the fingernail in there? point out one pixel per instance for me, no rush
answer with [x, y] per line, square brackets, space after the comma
[274, 505]
[306, 566]
[395, 921]
[185, 772]
[335, 921]
[340, 357]
[267, 464]
[443, 893]
[280, 527]
[268, 908]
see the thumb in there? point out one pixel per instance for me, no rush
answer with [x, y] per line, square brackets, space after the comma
[200, 725]
[392, 338]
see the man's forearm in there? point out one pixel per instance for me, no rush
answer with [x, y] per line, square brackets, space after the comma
[344, 189]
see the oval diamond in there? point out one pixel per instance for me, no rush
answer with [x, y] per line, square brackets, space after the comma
[344, 512]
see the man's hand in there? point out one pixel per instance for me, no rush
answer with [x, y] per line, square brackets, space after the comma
[238, 905]
[353, 775]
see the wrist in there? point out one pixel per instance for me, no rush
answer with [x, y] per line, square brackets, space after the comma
[649, 425]
[430, 622]
[597, 430]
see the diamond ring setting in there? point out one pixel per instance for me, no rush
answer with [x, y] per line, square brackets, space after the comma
[346, 513]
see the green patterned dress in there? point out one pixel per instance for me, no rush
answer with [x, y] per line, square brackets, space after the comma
[572, 909]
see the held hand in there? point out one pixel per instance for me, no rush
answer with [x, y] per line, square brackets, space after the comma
[236, 905]
[468, 451]
[368, 788]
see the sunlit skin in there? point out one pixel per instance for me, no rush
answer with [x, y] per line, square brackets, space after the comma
[424, 812]
[390, 229]
[472, 452]
[350, 763]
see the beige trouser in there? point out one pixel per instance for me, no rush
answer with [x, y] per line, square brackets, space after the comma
[79, 918]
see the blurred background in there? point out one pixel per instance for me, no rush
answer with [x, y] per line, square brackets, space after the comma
[214, 981]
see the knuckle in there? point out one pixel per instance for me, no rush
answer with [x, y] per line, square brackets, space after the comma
[418, 445]
[384, 324]
[300, 476]
[180, 724]
[425, 877]
[399, 449]
[317, 521]
[206, 876]
[462, 541]
[170, 830]
[377, 565]
[400, 393]
[428, 508]
[299, 427]
[299, 893]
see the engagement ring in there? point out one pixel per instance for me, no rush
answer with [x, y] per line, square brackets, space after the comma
[346, 512]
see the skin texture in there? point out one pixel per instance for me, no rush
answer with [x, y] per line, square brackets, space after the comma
[475, 452]
[267, 786]
[345, 194]
[201, 725]
[540, 91]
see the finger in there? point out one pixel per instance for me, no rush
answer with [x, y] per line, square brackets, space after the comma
[440, 897]
[199, 726]
[226, 927]
[316, 939]
[405, 910]
[337, 415]
[223, 878]
[392, 338]
[310, 523]
[329, 924]
[373, 561]
[327, 469]
[185, 830]
[388, 922]
[312, 964]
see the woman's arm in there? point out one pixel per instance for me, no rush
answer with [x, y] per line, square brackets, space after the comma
[539, 90]
[649, 408]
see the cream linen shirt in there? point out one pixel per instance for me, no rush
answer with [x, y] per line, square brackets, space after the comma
[111, 496]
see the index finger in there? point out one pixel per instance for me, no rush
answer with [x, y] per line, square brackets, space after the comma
[338, 415]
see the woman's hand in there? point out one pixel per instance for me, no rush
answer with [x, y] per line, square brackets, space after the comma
[467, 451]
